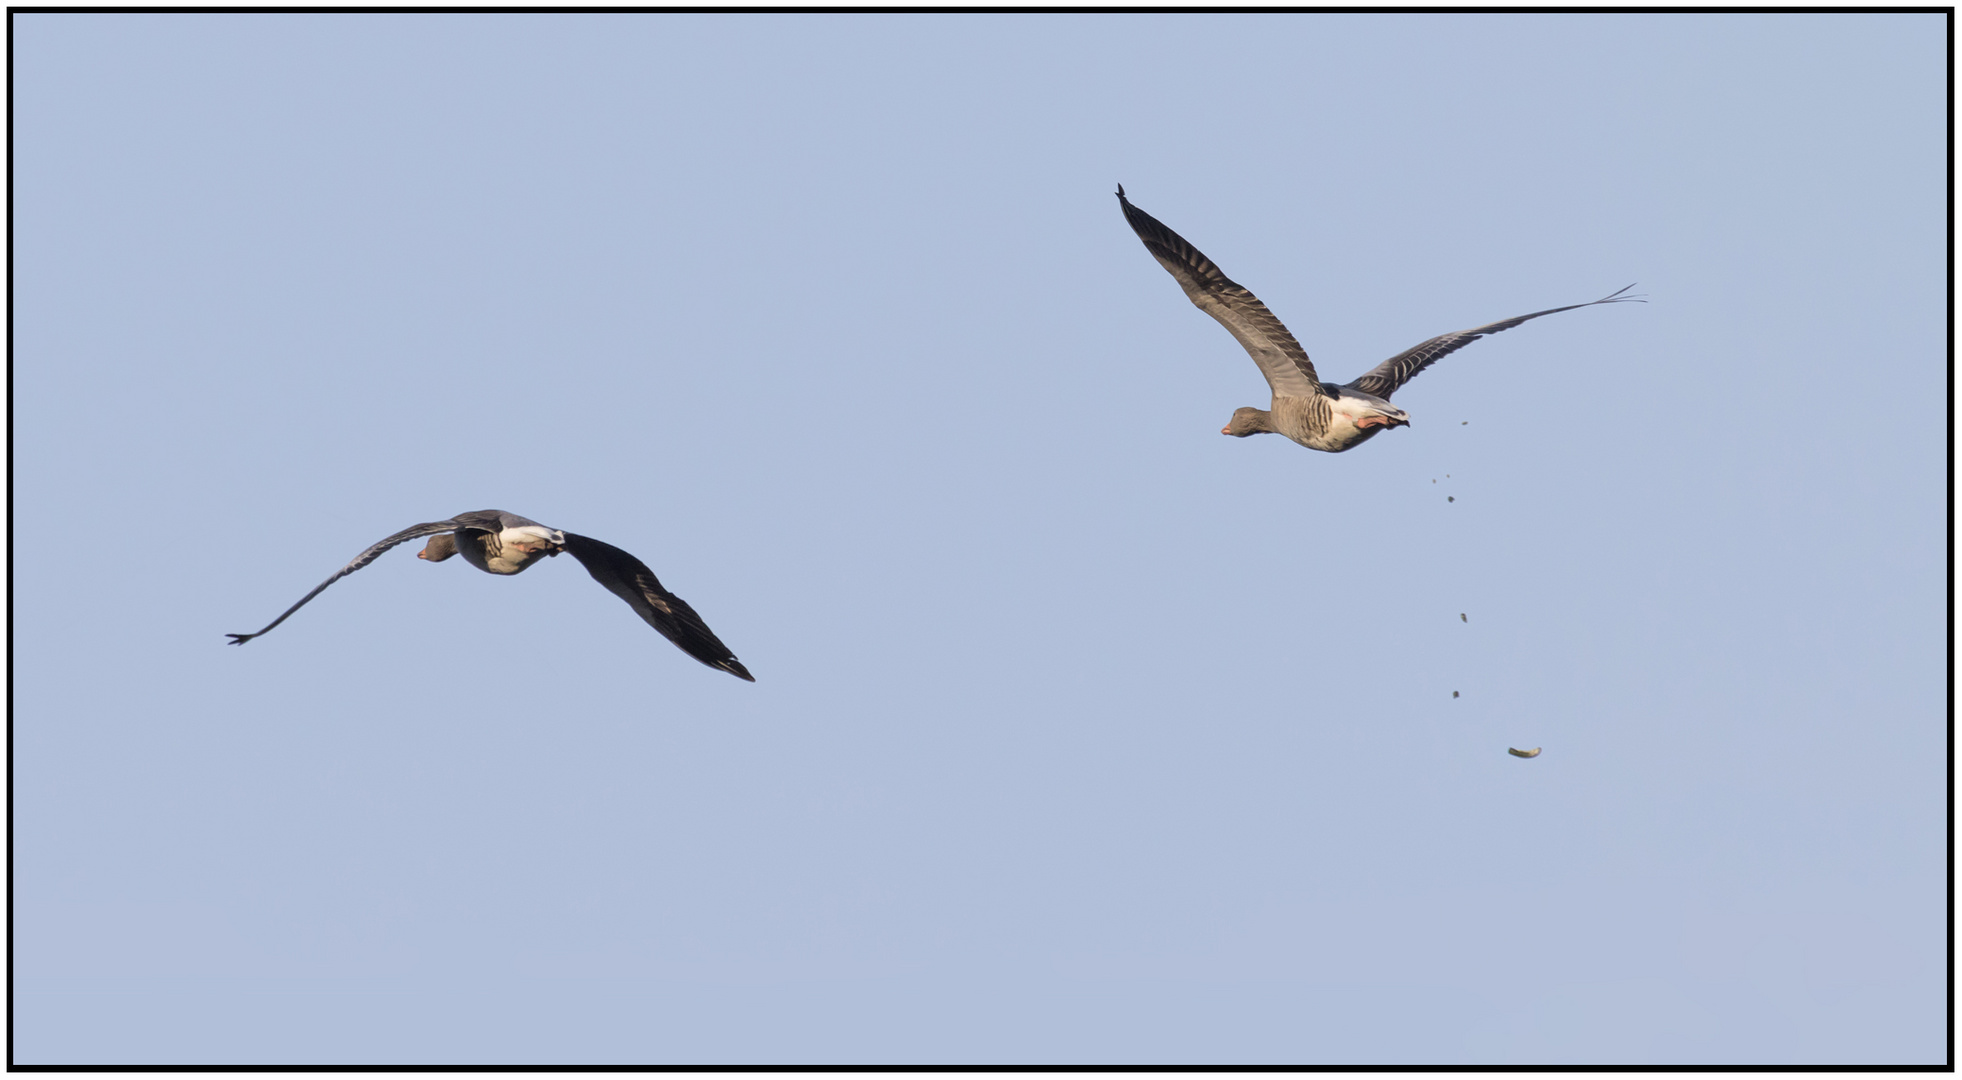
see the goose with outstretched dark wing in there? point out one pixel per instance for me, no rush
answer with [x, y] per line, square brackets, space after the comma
[500, 543]
[1318, 415]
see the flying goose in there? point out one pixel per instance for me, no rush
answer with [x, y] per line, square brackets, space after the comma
[1318, 415]
[500, 543]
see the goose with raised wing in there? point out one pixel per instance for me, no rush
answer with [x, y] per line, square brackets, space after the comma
[1318, 415]
[500, 543]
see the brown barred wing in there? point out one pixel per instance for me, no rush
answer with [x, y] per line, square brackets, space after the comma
[1281, 358]
[1391, 374]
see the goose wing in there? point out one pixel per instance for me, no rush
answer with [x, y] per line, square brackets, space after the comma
[1281, 358]
[1404, 366]
[427, 528]
[629, 579]
[1534, 752]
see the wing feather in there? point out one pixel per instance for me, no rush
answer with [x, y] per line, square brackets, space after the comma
[629, 579]
[1281, 358]
[1391, 374]
[428, 528]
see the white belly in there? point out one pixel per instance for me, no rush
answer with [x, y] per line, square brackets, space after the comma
[520, 545]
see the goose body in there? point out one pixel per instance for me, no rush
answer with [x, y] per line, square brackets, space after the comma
[497, 542]
[1318, 415]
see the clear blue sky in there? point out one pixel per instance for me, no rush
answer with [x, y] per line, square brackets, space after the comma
[1082, 732]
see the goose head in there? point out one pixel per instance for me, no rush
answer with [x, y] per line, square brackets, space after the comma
[440, 547]
[1246, 421]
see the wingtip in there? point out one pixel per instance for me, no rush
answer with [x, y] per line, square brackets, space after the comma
[239, 639]
[735, 667]
[1120, 191]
